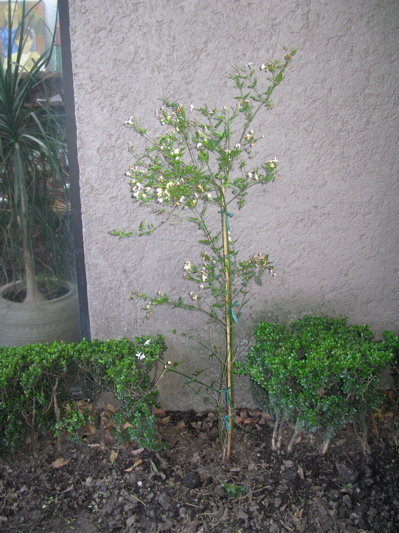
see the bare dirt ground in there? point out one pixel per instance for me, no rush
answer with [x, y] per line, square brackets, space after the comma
[186, 488]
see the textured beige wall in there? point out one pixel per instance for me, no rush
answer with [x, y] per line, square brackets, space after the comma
[330, 224]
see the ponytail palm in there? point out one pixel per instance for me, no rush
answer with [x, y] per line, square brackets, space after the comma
[32, 232]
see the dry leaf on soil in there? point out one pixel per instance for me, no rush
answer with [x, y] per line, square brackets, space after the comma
[91, 429]
[110, 407]
[113, 456]
[130, 521]
[60, 462]
[138, 451]
[137, 463]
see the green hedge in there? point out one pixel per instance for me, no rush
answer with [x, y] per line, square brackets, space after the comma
[38, 382]
[394, 342]
[318, 373]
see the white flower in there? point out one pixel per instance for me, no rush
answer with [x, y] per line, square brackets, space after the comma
[191, 108]
[209, 195]
[130, 121]
[187, 266]
[140, 356]
[263, 66]
[250, 64]
[250, 137]
[237, 146]
[147, 342]
[272, 163]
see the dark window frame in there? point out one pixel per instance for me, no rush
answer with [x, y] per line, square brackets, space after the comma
[73, 163]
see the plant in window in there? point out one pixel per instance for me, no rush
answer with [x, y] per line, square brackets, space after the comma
[35, 238]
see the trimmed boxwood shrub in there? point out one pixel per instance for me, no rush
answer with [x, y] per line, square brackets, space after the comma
[394, 342]
[38, 382]
[318, 374]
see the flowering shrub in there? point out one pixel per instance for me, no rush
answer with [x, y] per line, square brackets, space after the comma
[198, 169]
[318, 374]
[39, 384]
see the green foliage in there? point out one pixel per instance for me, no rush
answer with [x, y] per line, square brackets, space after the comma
[35, 388]
[234, 491]
[318, 373]
[72, 423]
[196, 171]
[393, 343]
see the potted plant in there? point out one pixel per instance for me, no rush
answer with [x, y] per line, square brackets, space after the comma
[38, 302]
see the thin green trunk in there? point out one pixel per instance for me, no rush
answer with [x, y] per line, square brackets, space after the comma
[229, 332]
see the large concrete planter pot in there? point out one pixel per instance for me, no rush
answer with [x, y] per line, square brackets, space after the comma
[48, 321]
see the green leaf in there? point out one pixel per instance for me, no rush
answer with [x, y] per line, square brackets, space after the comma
[154, 466]
[234, 491]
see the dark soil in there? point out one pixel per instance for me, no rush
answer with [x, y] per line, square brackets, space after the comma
[187, 488]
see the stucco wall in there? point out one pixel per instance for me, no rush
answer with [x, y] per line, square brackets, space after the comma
[330, 224]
